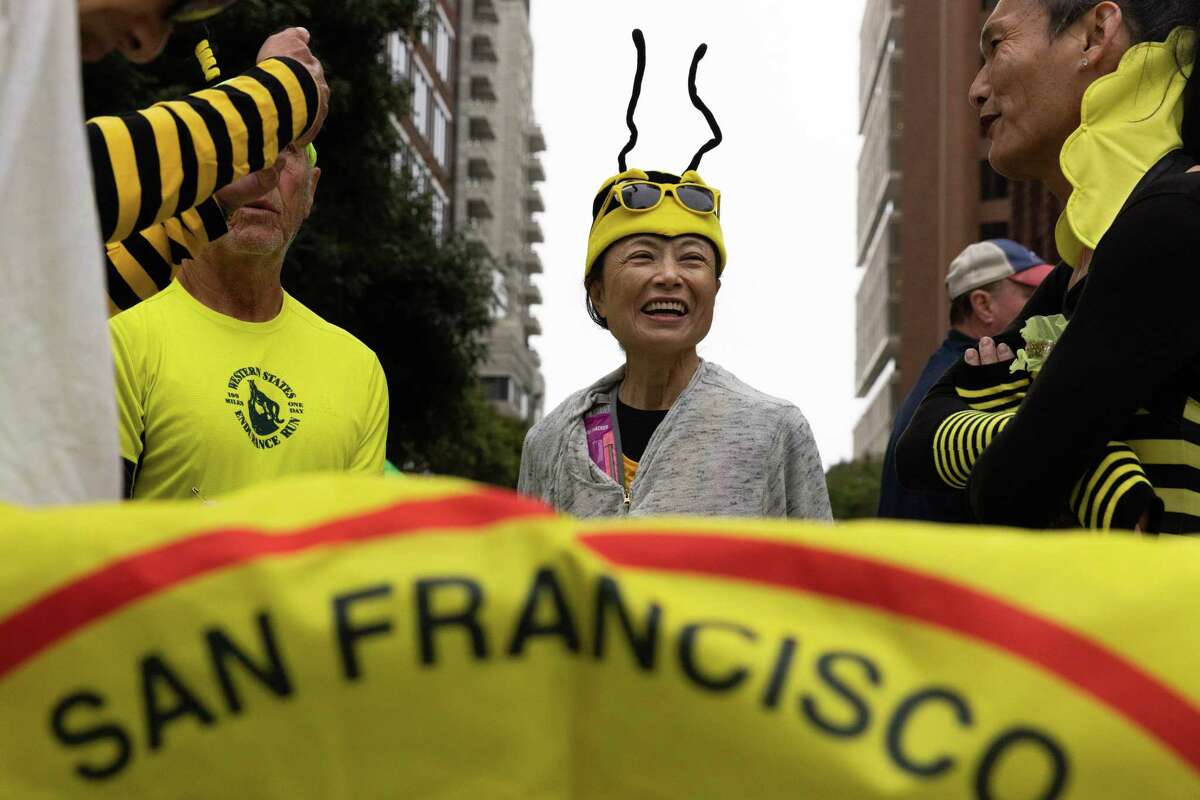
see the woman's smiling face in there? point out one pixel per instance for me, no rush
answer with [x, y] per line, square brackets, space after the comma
[658, 294]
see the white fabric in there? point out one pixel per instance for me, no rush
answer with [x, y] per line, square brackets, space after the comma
[58, 419]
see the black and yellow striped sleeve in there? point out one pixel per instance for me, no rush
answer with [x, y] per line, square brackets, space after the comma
[993, 391]
[1134, 334]
[1000, 397]
[959, 441]
[1115, 492]
[146, 262]
[958, 419]
[156, 164]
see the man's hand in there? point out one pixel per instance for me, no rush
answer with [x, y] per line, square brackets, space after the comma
[293, 43]
[988, 353]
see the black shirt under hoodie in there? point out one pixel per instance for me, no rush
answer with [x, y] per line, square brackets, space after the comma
[1126, 370]
[636, 426]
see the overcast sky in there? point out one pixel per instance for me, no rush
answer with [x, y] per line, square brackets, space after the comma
[782, 81]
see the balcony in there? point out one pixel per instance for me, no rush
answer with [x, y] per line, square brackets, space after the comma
[533, 262]
[533, 201]
[879, 176]
[871, 432]
[482, 89]
[478, 209]
[483, 51]
[537, 140]
[480, 169]
[533, 233]
[876, 306]
[485, 11]
[532, 326]
[535, 172]
[880, 40]
[479, 129]
[532, 295]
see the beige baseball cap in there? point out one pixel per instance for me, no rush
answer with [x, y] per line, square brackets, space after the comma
[996, 259]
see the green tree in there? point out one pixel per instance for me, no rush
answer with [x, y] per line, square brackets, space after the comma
[854, 488]
[369, 259]
[488, 450]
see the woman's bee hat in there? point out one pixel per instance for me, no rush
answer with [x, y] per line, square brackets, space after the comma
[685, 203]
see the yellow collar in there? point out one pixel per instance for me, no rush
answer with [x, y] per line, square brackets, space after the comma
[1131, 119]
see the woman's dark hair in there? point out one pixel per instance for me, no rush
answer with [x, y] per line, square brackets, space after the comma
[595, 275]
[1148, 21]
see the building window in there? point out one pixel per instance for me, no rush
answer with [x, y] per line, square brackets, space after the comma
[420, 103]
[443, 52]
[398, 54]
[992, 185]
[993, 230]
[399, 159]
[421, 180]
[496, 387]
[499, 295]
[440, 124]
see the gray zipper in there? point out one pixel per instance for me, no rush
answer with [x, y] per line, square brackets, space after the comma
[626, 492]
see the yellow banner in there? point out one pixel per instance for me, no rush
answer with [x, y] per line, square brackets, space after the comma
[341, 637]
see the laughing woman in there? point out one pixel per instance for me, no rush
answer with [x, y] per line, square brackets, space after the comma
[668, 433]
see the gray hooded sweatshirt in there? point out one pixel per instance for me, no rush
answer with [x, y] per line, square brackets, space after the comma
[723, 450]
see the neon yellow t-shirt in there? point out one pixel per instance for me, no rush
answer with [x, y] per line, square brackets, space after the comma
[209, 404]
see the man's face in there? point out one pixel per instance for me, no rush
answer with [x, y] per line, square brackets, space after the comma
[267, 225]
[1029, 90]
[138, 28]
[1007, 301]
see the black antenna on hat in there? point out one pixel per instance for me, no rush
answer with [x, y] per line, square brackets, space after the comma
[708, 115]
[640, 42]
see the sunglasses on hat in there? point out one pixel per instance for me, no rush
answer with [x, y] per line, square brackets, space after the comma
[647, 196]
[186, 11]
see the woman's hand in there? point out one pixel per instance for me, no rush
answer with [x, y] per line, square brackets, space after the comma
[988, 353]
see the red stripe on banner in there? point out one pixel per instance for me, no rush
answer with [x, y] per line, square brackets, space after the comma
[1082, 662]
[75, 605]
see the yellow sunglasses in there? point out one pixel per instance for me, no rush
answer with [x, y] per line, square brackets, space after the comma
[648, 195]
[188, 11]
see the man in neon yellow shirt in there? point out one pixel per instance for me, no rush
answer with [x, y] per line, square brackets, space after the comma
[224, 380]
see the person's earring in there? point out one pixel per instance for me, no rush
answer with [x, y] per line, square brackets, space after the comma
[1085, 62]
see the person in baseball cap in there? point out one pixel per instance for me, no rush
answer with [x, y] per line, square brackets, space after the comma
[1005, 272]
[988, 284]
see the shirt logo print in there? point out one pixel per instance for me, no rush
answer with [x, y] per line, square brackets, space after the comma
[266, 407]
